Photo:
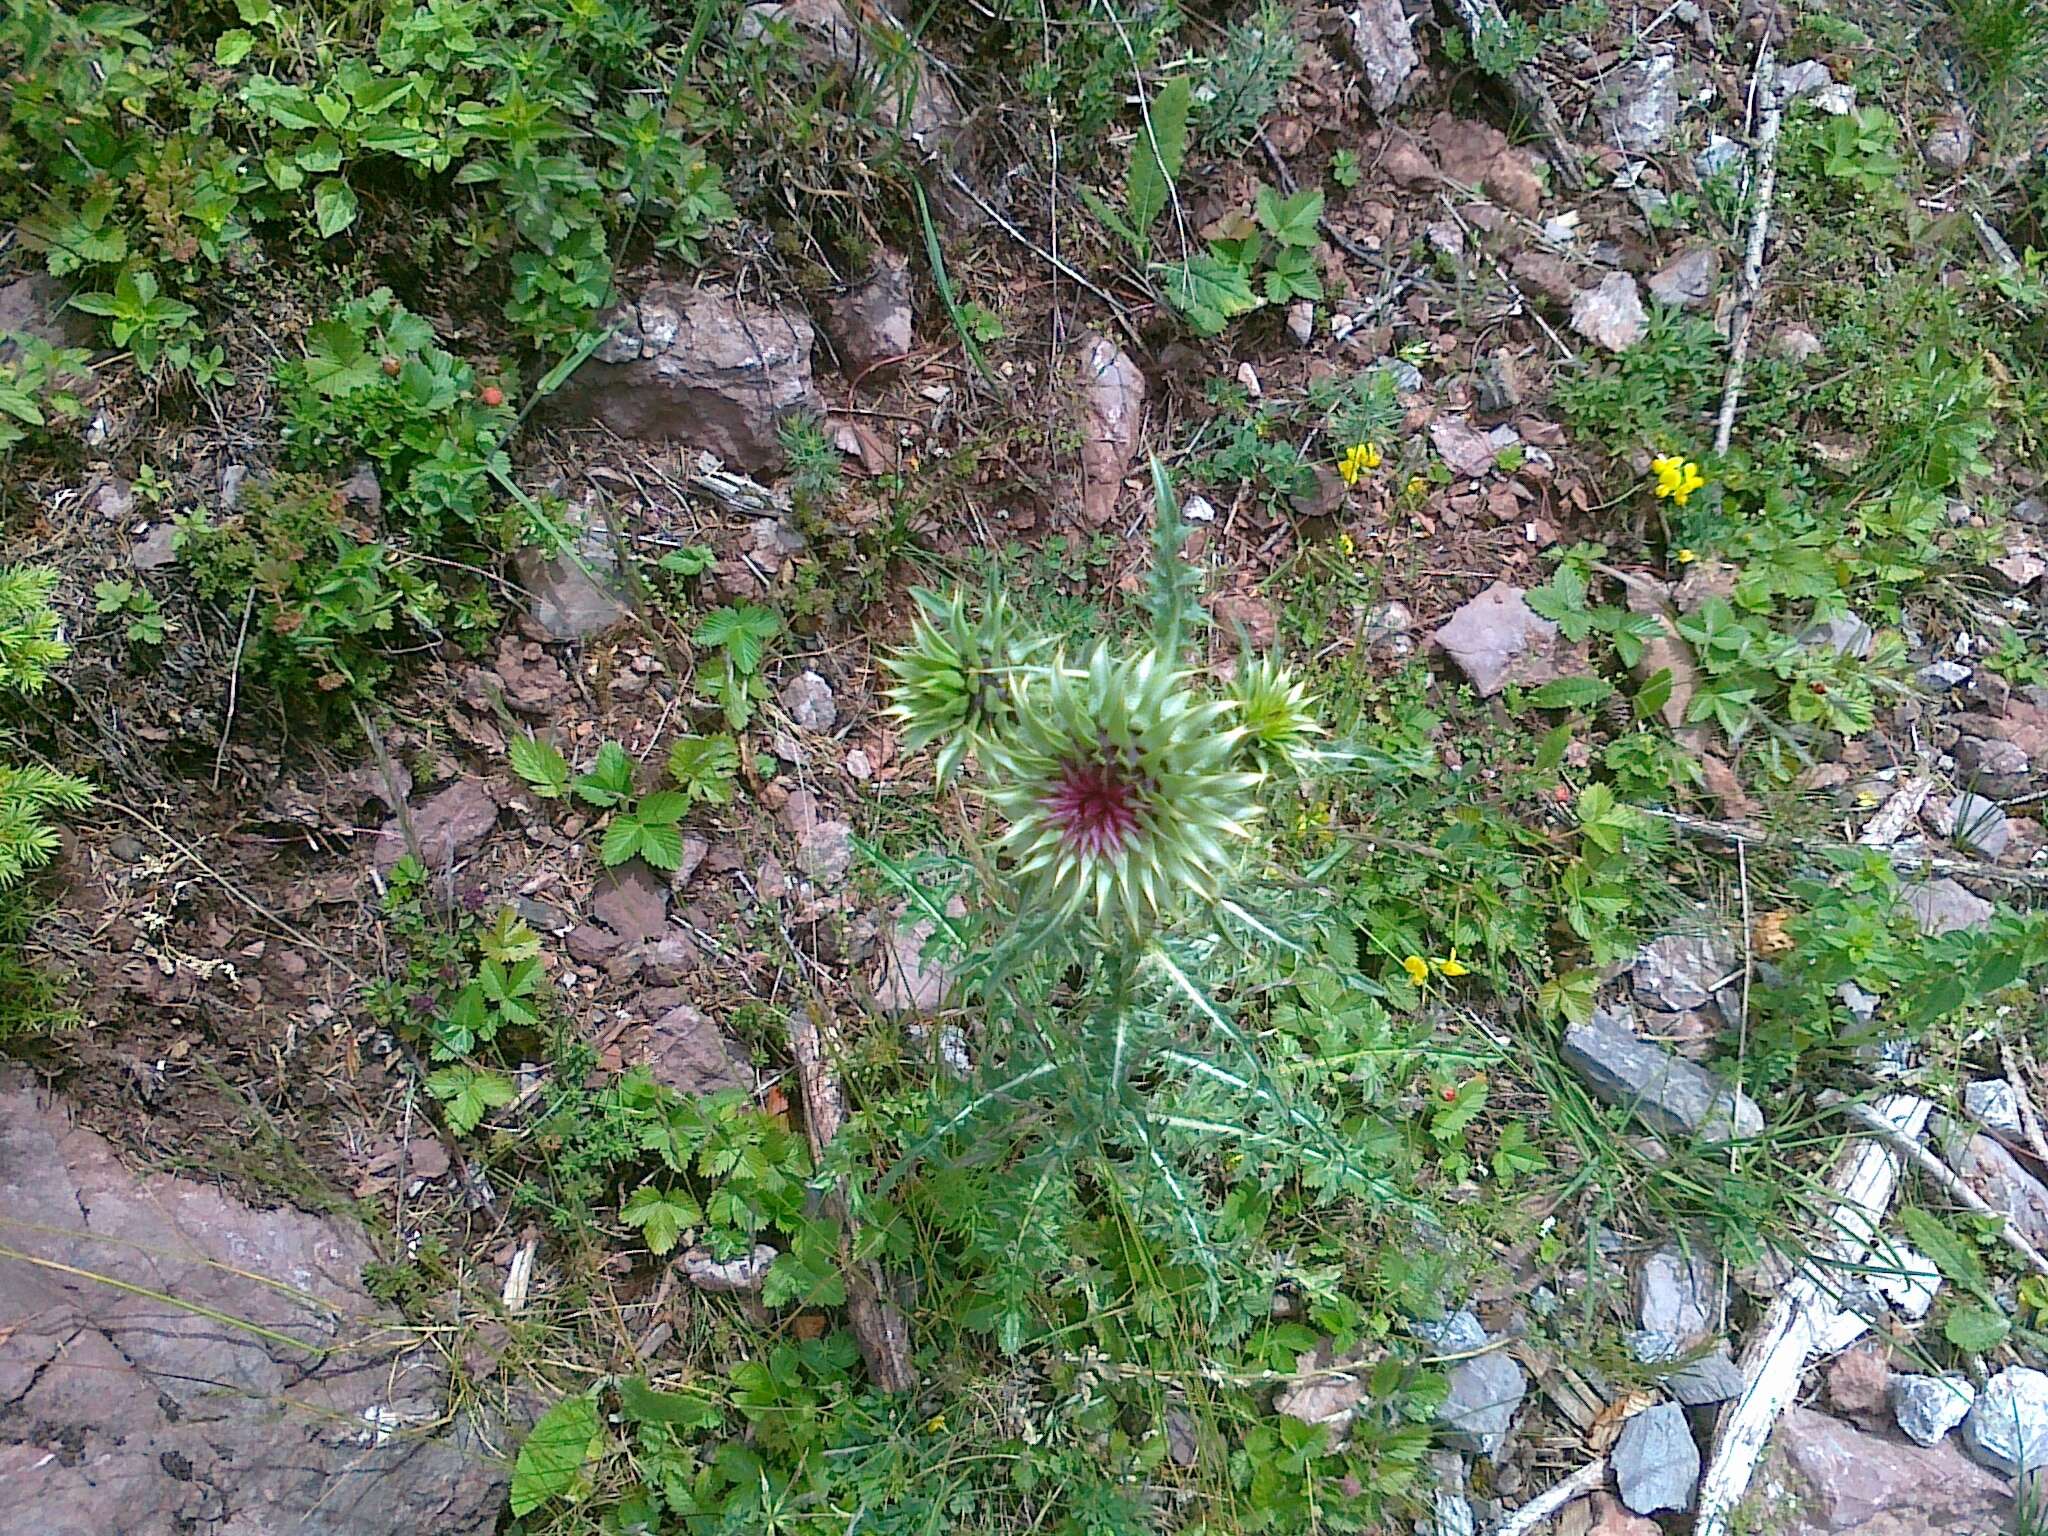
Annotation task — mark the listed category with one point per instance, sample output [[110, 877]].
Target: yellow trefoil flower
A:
[[1687, 556], [1452, 966], [1347, 544], [1677, 478], [1358, 460], [1417, 969]]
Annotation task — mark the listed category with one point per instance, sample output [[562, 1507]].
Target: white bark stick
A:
[[1520, 1521], [1753, 259], [1806, 1313]]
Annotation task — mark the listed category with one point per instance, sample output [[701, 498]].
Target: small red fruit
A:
[[493, 396], [1450, 1094], [391, 366]]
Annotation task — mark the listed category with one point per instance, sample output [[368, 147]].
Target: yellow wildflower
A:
[[1347, 544], [1677, 478], [1359, 459], [1452, 966], [1687, 556], [1417, 969]]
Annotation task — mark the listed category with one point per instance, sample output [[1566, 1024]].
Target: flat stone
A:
[[1677, 1293], [1942, 906], [1927, 1407], [38, 305], [155, 549], [1977, 825], [1983, 1163], [631, 899], [1480, 1408], [685, 1051], [699, 366], [908, 983], [1826, 1478], [871, 324], [807, 698], [1646, 104], [576, 594], [1687, 280], [824, 844], [1467, 450], [1111, 409], [1601, 1514], [131, 1415], [1842, 633], [1802, 79], [1994, 1104], [1710, 1379], [1476, 154], [1905, 1278], [450, 825], [737, 1276], [1382, 42], [1610, 315], [1680, 972], [1497, 639], [1859, 1382], [2006, 1429], [1666, 1092], [1656, 1461]]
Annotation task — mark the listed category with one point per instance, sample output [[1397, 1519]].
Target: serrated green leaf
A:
[[621, 841], [1209, 291], [1952, 1255], [661, 844], [1156, 155], [661, 808], [232, 46], [1570, 692], [610, 779], [1295, 220], [541, 765], [661, 1215], [551, 1460]]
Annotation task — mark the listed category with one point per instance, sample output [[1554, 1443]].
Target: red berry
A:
[[493, 396], [391, 366], [1450, 1095]]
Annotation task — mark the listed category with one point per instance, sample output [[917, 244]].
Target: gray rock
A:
[[871, 324], [1666, 1092], [1721, 154], [1994, 1103], [687, 1052], [1111, 409], [1905, 1278], [155, 549], [1928, 1407], [1495, 637], [1459, 1333], [1301, 325], [38, 305], [1687, 280], [1948, 143], [1656, 1462], [1710, 1379], [1382, 42], [1677, 1293], [1467, 450], [901, 85], [738, 1276], [1830, 1479], [1389, 630], [808, 700], [1940, 676], [130, 1415], [697, 366], [1497, 385], [449, 825], [1977, 825], [1942, 906], [1842, 633], [573, 596], [1679, 972], [1645, 109], [1407, 377], [2006, 1429], [1480, 1407], [824, 845], [909, 983], [1451, 1514], [1802, 79], [1983, 1163], [1797, 343], [1611, 314]]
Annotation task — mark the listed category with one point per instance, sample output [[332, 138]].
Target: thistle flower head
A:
[[950, 678], [1120, 788], [1274, 712]]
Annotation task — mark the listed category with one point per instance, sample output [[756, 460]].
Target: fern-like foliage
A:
[[30, 641]]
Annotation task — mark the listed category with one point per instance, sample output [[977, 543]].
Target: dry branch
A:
[[1744, 313]]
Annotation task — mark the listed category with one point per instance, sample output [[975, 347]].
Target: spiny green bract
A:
[[949, 679], [1122, 788], [1276, 715]]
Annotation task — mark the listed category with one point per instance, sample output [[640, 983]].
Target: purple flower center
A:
[[1095, 806]]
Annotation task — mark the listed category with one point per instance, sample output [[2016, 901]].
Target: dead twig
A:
[[1950, 1181], [879, 1326], [1547, 1503], [1744, 313], [1906, 858], [2022, 1087]]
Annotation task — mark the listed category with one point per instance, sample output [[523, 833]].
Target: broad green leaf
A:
[[1570, 692], [551, 1461], [610, 779], [541, 765], [467, 1094], [662, 808], [621, 841], [644, 1404], [1654, 694], [661, 1215], [1296, 220], [334, 206], [1209, 291], [661, 844], [1952, 1255], [232, 46], [1975, 1327], [1156, 155]]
